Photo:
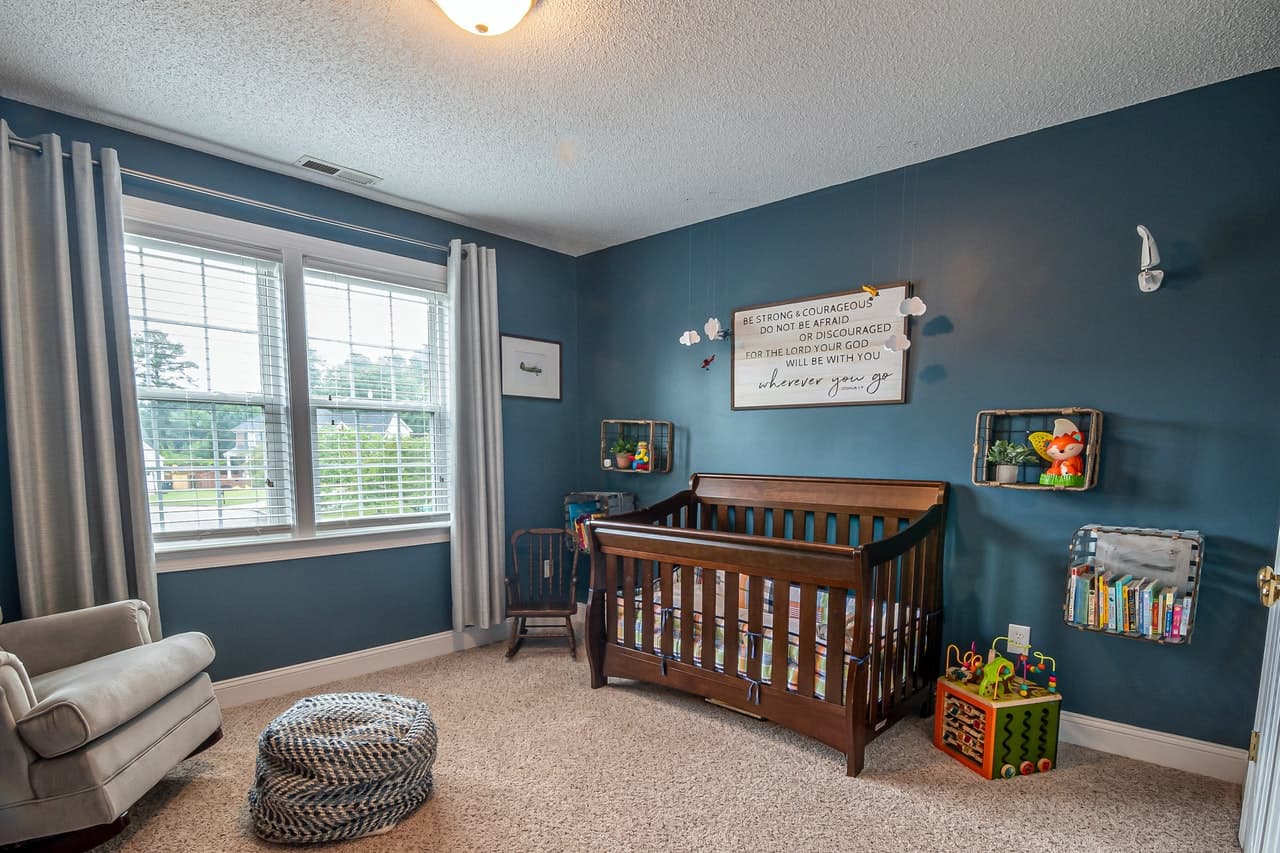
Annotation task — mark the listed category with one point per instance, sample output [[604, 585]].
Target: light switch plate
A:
[[1019, 639]]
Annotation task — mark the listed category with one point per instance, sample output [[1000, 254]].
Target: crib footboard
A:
[[830, 640]]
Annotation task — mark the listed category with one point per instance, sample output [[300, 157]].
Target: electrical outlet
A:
[[1019, 639], [546, 568]]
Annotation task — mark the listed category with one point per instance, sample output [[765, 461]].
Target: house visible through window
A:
[[213, 341]]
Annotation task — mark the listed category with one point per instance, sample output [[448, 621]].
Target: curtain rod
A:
[[238, 199]]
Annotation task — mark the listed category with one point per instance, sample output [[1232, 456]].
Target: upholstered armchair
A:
[[92, 714]]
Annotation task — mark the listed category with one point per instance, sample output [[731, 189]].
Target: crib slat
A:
[[875, 658], [807, 650], [842, 528], [758, 516], [888, 678], [722, 517], [740, 519], [779, 522], [903, 621], [731, 623], [836, 605], [709, 618], [884, 607], [646, 606], [926, 568], [917, 577], [666, 628], [629, 582], [686, 613], [866, 528], [781, 631], [611, 562], [755, 624], [820, 527]]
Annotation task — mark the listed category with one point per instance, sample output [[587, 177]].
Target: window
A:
[[208, 351], [288, 388], [377, 365]]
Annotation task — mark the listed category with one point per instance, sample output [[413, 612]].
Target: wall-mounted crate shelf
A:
[[1134, 582], [579, 506], [657, 434], [1017, 425]]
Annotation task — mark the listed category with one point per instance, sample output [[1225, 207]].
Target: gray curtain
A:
[[82, 528], [477, 556]]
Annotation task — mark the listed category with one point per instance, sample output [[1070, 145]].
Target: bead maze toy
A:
[[993, 721]]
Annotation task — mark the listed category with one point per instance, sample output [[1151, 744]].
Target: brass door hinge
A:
[[1253, 746]]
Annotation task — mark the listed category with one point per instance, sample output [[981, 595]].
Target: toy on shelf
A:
[[1062, 450], [641, 462], [998, 736]]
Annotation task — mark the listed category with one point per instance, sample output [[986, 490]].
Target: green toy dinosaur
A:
[[995, 676]]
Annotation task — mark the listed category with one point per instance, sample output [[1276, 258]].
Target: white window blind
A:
[[378, 364], [209, 359]]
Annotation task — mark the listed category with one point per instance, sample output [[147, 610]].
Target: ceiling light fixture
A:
[[485, 17]]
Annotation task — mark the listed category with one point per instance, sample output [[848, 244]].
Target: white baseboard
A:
[[1182, 753], [304, 676]]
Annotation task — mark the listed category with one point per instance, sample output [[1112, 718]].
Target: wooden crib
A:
[[720, 563]]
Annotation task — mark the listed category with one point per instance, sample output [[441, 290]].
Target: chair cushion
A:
[[82, 702]]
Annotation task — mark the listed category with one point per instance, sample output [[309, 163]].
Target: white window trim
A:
[[163, 221]]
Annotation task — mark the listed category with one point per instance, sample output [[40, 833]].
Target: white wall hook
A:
[[1149, 279]]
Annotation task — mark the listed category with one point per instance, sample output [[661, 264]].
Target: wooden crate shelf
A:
[[658, 434], [1016, 425]]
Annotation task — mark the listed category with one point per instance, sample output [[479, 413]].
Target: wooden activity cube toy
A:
[[1000, 738]]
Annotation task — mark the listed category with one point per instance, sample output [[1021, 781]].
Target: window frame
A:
[[306, 537]]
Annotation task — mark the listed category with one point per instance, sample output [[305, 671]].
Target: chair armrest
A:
[[80, 705], [46, 643], [16, 699]]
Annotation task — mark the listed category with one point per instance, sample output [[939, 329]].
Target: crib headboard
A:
[[824, 494]]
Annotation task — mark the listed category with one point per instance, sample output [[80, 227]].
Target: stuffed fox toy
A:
[[1062, 449], [1065, 449]]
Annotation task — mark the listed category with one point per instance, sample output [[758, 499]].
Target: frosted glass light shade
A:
[[485, 17]]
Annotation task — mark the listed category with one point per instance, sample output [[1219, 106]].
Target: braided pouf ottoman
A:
[[340, 766]]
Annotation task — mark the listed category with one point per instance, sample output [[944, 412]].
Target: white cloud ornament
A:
[[713, 329], [912, 307], [897, 343], [690, 338]]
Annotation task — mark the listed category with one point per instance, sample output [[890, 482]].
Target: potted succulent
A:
[[624, 452], [1007, 456]]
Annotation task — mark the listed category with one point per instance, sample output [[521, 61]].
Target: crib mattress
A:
[[767, 669]]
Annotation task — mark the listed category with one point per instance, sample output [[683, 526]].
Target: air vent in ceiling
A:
[[342, 173]]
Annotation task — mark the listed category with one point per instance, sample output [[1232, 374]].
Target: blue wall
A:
[[1026, 254], [264, 616]]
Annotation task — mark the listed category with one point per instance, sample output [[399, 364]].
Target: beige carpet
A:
[[532, 759]]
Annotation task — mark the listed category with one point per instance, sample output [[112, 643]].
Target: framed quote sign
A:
[[820, 351]]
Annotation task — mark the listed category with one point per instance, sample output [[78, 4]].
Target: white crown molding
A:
[[1228, 763], [533, 237]]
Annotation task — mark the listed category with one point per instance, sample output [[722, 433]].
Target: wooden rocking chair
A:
[[540, 587]]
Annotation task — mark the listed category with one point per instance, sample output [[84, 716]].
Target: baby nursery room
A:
[[575, 425]]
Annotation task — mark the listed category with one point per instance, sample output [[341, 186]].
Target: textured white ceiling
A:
[[600, 121]]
